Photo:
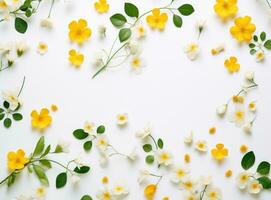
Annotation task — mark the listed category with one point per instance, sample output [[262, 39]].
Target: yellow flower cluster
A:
[[157, 20]]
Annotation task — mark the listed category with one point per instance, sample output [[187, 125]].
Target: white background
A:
[[173, 93]]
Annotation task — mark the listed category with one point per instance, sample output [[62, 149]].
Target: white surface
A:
[[174, 94]]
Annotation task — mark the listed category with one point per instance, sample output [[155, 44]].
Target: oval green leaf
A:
[[248, 160], [267, 44], [82, 169], [131, 10], [160, 143], [147, 148], [39, 147], [265, 182], [20, 25], [2, 116], [186, 9], [177, 20], [80, 134], [61, 180], [7, 122], [118, 20], [124, 34], [100, 129], [86, 197], [149, 159], [264, 168], [263, 36], [88, 145], [41, 175], [17, 116]]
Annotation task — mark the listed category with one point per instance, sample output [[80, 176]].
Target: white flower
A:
[[134, 47], [179, 173], [143, 175], [254, 187], [252, 106], [238, 116], [64, 145], [40, 192], [24, 197], [137, 64], [201, 145], [122, 119], [189, 139], [190, 196], [46, 23], [192, 51], [200, 25], [21, 47], [89, 127], [102, 31], [11, 57], [75, 179], [249, 75], [42, 48], [163, 157], [188, 184], [145, 132], [104, 194], [132, 156], [103, 160], [12, 98], [259, 56], [247, 128], [98, 60], [140, 31], [102, 142], [206, 180], [221, 110], [243, 179], [213, 194], [119, 190]]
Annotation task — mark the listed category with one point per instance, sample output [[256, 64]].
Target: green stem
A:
[[203, 192], [154, 141], [5, 179], [51, 8], [21, 89]]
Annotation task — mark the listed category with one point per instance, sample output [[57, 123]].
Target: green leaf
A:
[[265, 181], [20, 25], [41, 175], [124, 34], [263, 36], [88, 145], [28, 13], [2, 116], [131, 10], [58, 149], [17, 116], [86, 197], [47, 150], [6, 104], [82, 169], [264, 168], [39, 147], [267, 44], [61, 180], [46, 163], [252, 51], [248, 160], [251, 45], [177, 20], [118, 20], [80, 134], [147, 148], [160, 143], [100, 129], [7, 122], [186, 9], [1, 110], [149, 159], [11, 179], [255, 38]]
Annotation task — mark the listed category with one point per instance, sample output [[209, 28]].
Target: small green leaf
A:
[[6, 104], [100, 129], [1, 110], [263, 36], [88, 145], [11, 179], [267, 44], [264, 168], [39, 147], [265, 182], [186, 9], [131, 10], [248, 160], [2, 116], [82, 169], [147, 148], [17, 116], [251, 45], [47, 150], [28, 13], [160, 143], [46, 163], [7, 122], [80, 134], [58, 149], [255, 38], [149, 159], [252, 51], [86, 197], [20, 25], [177, 20], [118, 20], [124, 34], [41, 175], [61, 180]]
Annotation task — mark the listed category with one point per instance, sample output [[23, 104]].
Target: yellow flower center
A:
[[240, 115]]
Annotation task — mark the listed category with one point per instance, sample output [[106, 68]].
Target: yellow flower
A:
[[219, 153], [226, 8], [187, 158], [165, 198], [41, 120], [76, 58], [232, 64], [105, 180], [17, 160], [150, 191], [228, 173], [79, 32], [157, 20], [54, 108], [243, 29], [122, 119], [243, 148], [42, 48], [238, 99], [201, 146], [101, 6], [212, 130], [41, 192]]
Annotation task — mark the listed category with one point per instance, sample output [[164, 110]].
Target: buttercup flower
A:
[[46, 23], [228, 173], [259, 56], [89, 127], [17, 160], [232, 64], [238, 116], [192, 51], [119, 191], [122, 119], [238, 99], [226, 9], [12, 98], [243, 148], [137, 64], [243, 179], [220, 152], [102, 142], [42, 48], [79, 31], [40, 192], [76, 58], [212, 130], [104, 194], [101, 6], [188, 184], [243, 29], [201, 145], [41, 120], [150, 191], [163, 157], [105, 180], [157, 19], [54, 108], [187, 158], [179, 173], [252, 106], [213, 194], [254, 187]]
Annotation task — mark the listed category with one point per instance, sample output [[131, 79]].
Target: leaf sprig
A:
[[260, 43]]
